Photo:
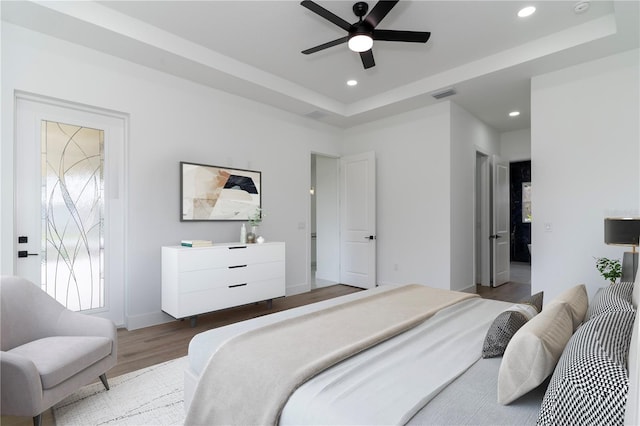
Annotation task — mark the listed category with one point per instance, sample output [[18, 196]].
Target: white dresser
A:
[[196, 280]]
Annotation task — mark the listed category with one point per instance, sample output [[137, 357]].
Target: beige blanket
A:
[[249, 379]]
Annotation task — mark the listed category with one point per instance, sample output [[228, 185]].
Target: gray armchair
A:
[[47, 351]]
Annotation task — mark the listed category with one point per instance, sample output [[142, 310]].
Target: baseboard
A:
[[135, 322], [297, 289], [470, 289]]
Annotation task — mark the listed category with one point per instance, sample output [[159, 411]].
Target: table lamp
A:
[[624, 231]]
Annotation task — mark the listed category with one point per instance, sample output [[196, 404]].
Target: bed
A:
[[430, 372]]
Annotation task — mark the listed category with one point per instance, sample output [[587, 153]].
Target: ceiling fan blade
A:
[[367, 59], [326, 45], [379, 11], [329, 16], [408, 36]]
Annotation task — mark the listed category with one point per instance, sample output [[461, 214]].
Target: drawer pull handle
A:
[[237, 266], [237, 285], [237, 247]]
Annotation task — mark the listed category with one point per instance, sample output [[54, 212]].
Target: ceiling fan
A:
[[362, 33]]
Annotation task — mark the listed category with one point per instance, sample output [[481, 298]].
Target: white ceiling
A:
[[252, 48]]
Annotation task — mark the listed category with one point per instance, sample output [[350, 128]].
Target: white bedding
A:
[[391, 382], [203, 345], [386, 384], [250, 378]]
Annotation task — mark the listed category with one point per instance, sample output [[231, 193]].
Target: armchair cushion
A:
[[58, 358]]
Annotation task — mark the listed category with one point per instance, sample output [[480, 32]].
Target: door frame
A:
[[116, 197], [327, 214]]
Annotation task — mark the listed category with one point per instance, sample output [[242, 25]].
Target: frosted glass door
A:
[[70, 204], [73, 215]]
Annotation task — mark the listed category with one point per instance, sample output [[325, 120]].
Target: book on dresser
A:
[[197, 280], [196, 243]]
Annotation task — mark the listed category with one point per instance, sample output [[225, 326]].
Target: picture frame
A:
[[210, 192]]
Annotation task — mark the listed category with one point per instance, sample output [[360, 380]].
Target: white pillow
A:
[[578, 300], [534, 351]]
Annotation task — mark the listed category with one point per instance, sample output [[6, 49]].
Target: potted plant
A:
[[255, 220], [610, 269]]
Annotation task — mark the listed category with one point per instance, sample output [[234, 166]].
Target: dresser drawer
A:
[[205, 279], [193, 259], [223, 297]]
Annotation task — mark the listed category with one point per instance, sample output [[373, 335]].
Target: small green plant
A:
[[610, 269], [256, 218]]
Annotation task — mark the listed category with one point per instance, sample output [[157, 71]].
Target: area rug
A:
[[150, 396]]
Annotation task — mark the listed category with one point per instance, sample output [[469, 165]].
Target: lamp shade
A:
[[622, 231]]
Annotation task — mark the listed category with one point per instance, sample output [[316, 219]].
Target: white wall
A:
[[585, 146], [413, 193], [515, 145], [425, 191], [170, 120]]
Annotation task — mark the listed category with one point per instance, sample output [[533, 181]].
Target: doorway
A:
[[492, 221], [520, 202], [520, 182], [70, 203], [325, 236], [519, 214]]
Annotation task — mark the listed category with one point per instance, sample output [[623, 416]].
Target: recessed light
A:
[[526, 11], [514, 113], [352, 82], [581, 7]]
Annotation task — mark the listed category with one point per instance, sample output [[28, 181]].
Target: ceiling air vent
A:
[[449, 91], [316, 114]]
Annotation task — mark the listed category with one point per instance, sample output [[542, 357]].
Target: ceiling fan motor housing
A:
[[360, 9]]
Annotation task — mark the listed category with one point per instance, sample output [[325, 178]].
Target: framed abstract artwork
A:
[[218, 193]]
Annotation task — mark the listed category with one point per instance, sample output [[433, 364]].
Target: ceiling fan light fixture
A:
[[360, 43]]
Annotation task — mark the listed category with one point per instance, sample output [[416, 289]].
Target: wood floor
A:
[[152, 345]]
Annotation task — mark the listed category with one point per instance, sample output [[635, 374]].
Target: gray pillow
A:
[[591, 382], [614, 298], [506, 324]]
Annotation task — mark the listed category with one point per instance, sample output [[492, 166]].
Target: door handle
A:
[[370, 237], [494, 237], [24, 253]]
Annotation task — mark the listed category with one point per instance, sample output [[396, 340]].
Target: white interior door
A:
[[70, 204], [358, 220], [501, 222]]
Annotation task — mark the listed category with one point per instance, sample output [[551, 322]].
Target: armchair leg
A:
[[37, 420], [103, 379]]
